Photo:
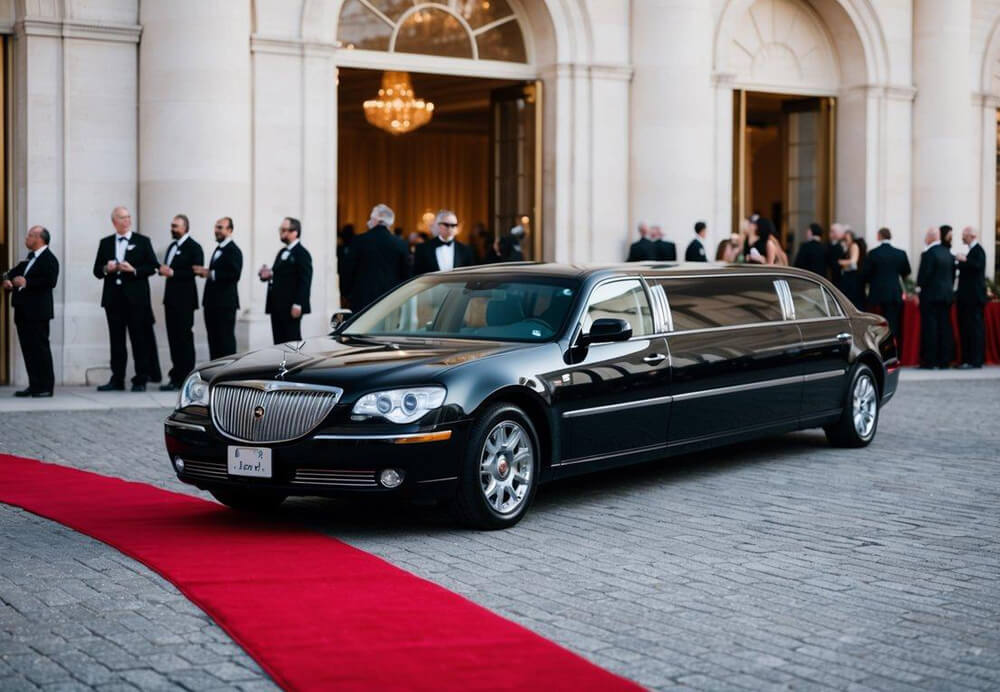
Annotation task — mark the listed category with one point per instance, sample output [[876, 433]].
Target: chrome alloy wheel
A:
[[865, 406], [505, 467]]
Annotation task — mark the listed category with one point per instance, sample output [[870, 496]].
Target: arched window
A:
[[474, 29]]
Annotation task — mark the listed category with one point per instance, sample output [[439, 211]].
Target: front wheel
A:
[[501, 469], [857, 425], [248, 499]]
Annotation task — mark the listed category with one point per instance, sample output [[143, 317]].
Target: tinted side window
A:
[[834, 306], [809, 299], [725, 301], [624, 300]]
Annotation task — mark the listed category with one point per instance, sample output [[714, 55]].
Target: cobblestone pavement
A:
[[781, 563]]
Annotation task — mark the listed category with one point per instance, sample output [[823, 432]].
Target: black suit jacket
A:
[[641, 250], [695, 251], [665, 251], [33, 302], [883, 268], [291, 282], [425, 256], [936, 275], [835, 253], [221, 291], [972, 277], [180, 290], [812, 257], [139, 253], [377, 262]]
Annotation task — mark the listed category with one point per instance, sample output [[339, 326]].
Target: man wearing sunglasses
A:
[[443, 253], [180, 299]]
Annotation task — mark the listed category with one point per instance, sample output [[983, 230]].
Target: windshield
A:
[[471, 308]]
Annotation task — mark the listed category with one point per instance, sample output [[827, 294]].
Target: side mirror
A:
[[607, 329], [338, 318]]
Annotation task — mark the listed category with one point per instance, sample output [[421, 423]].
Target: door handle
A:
[[654, 358], [843, 337]]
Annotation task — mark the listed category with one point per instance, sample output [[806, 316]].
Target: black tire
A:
[[473, 505], [248, 499], [859, 421]]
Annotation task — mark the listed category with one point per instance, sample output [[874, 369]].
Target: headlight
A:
[[194, 392], [400, 405]]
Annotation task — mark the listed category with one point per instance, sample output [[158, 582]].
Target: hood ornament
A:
[[282, 370]]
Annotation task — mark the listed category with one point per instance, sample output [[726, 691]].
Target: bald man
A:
[[31, 283], [125, 261]]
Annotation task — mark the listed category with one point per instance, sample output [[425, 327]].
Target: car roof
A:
[[597, 271]]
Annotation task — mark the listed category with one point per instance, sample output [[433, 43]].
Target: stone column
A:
[[942, 169], [673, 105], [195, 131]]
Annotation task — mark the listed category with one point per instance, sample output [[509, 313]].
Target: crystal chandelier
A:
[[396, 110]]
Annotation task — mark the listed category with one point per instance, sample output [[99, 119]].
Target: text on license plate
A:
[[250, 461]]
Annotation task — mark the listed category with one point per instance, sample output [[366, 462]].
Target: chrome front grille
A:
[[269, 411], [330, 477], [210, 470]]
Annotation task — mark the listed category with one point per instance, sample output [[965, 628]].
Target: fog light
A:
[[390, 478], [179, 464]]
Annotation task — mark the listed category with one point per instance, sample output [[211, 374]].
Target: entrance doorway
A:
[[479, 155], [783, 161]]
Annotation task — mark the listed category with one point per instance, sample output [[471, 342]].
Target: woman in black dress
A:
[[851, 282]]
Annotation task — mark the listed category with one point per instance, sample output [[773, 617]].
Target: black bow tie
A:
[[121, 238], [446, 243], [31, 255]]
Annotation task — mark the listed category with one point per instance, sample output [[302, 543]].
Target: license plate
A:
[[250, 461]]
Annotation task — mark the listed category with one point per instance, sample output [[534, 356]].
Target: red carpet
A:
[[314, 612]]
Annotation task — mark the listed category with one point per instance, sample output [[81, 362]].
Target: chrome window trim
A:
[[617, 407], [821, 319], [771, 323], [438, 480], [784, 298], [761, 384], [184, 426]]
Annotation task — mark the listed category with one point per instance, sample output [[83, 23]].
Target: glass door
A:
[[516, 171], [808, 155]]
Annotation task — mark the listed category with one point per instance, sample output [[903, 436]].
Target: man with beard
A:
[[180, 299], [443, 253], [289, 281], [221, 299], [125, 261]]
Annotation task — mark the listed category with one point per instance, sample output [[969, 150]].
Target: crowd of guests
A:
[[870, 279]]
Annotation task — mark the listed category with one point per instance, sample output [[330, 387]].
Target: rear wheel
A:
[[501, 468], [248, 499], [857, 425]]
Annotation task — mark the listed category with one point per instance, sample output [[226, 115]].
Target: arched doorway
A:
[[805, 125], [472, 144]]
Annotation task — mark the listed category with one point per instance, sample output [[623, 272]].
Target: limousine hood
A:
[[353, 364]]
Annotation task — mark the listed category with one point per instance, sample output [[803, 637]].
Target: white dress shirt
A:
[[286, 251], [215, 255], [445, 256], [175, 248], [120, 247], [32, 261]]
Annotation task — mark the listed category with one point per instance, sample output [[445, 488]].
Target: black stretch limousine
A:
[[476, 385]]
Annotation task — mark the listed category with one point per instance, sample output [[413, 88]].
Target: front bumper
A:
[[328, 462]]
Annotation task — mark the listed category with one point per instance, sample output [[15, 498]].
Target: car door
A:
[[733, 358], [612, 397], [826, 347]]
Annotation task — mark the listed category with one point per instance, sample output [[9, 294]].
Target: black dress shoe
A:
[[111, 387], [23, 393], [138, 387], [41, 395], [169, 387]]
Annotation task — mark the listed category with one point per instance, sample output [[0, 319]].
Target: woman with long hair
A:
[[851, 282], [765, 248]]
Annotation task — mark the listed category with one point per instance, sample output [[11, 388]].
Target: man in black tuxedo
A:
[[935, 278], [835, 252], [443, 253], [289, 281], [31, 283], [221, 298], [180, 299], [812, 255], [378, 261], [883, 269], [665, 250], [971, 299], [125, 261], [696, 248], [643, 249]]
